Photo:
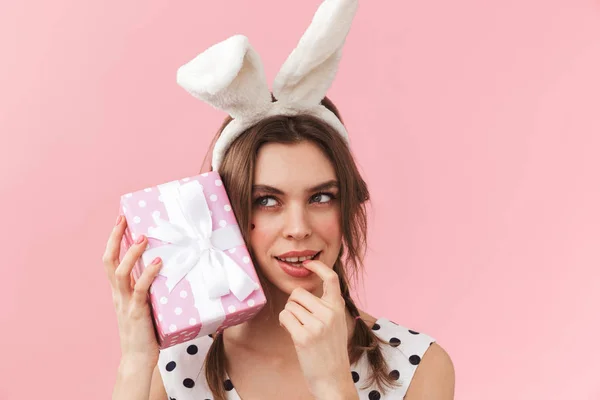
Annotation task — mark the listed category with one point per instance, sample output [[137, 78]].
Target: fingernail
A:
[[140, 239], [157, 260], [119, 219]]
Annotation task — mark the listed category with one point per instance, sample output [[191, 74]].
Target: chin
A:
[[286, 287]]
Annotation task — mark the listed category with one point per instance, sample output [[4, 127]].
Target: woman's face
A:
[[295, 214]]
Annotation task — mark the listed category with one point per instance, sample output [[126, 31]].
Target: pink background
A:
[[485, 231]]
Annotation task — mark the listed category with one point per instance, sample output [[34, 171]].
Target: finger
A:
[[304, 316], [291, 324], [123, 271], [110, 259], [331, 281], [308, 300], [141, 287]]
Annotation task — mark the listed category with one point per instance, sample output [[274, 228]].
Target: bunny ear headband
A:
[[229, 76]]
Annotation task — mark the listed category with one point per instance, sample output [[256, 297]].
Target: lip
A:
[[303, 253], [296, 272]]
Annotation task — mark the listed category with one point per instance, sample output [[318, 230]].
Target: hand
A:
[[136, 330], [320, 335]]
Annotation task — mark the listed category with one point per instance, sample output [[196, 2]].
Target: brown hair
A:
[[237, 174]]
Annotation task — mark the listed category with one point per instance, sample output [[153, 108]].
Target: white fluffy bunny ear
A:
[[230, 76], [310, 69]]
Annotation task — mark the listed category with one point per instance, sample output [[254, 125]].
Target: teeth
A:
[[296, 259]]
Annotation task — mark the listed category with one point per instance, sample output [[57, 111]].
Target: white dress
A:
[[181, 365]]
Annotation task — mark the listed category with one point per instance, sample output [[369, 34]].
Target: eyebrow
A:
[[321, 186]]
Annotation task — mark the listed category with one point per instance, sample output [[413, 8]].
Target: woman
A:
[[300, 203]]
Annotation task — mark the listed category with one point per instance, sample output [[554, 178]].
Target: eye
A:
[[323, 197], [266, 201]]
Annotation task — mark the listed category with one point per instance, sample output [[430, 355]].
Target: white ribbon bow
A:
[[194, 250]]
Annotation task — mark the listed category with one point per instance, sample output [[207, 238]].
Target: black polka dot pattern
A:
[[413, 332], [374, 395], [355, 376], [171, 366], [414, 360], [192, 349], [228, 385], [376, 327], [395, 374], [189, 383], [395, 342]]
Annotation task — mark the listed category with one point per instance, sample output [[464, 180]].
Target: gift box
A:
[[208, 281]]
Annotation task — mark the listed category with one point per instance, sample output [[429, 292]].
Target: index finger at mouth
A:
[[331, 281]]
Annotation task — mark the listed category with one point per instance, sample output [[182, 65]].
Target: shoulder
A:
[[416, 360], [434, 379]]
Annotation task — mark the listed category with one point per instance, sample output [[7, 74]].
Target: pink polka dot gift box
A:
[[208, 281]]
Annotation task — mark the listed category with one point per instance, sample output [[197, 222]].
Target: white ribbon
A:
[[193, 250]]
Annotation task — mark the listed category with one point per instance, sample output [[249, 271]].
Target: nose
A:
[[297, 223]]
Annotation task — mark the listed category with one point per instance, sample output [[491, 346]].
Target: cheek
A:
[[328, 227], [262, 234]]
